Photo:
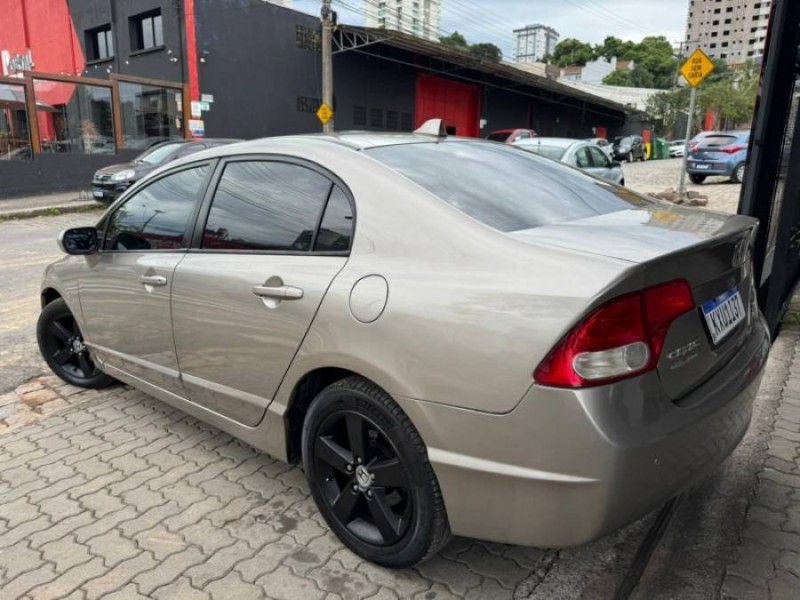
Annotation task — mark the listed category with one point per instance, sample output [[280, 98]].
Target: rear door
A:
[[270, 239], [601, 165]]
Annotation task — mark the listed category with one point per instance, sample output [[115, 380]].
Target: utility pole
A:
[[689, 129], [327, 62]]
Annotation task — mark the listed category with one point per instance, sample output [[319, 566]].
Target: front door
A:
[[125, 288], [276, 235]]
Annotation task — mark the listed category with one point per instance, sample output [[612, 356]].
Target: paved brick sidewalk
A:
[[120, 496], [767, 565]]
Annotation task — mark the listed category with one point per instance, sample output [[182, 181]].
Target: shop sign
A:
[[16, 63], [197, 127], [207, 98], [197, 109]]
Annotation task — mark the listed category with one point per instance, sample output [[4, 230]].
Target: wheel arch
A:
[[48, 295], [303, 393]]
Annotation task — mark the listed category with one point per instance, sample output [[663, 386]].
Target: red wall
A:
[[45, 27], [457, 103]]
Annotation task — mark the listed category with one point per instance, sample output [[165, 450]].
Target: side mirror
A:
[[615, 163], [78, 240]]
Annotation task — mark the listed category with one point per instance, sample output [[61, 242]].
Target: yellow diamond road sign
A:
[[697, 68], [324, 113]]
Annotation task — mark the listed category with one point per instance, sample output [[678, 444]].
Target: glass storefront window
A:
[[75, 118], [150, 115], [14, 134]]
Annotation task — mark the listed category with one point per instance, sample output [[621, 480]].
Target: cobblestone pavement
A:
[[658, 175], [767, 564], [120, 496]]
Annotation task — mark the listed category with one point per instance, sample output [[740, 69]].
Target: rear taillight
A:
[[731, 149], [620, 339]]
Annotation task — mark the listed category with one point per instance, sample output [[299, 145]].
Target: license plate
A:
[[701, 166], [723, 314], [97, 194]]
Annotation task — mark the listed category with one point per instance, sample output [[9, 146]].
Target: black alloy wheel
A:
[[369, 474], [61, 345]]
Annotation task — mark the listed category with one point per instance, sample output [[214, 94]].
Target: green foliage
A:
[[615, 47], [572, 52], [486, 52], [638, 77], [729, 93], [455, 40]]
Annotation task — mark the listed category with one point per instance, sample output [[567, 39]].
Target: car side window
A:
[[583, 158], [599, 157], [156, 217], [522, 135], [336, 228], [263, 205]]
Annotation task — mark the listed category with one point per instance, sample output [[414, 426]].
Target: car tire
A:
[[698, 179], [738, 173], [386, 505], [61, 345]]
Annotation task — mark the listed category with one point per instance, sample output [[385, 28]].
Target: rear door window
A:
[[583, 158], [504, 187], [266, 205], [599, 158]]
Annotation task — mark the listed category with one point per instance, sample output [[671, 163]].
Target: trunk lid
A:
[[662, 243]]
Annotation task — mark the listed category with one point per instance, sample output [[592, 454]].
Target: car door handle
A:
[[152, 280], [281, 292]]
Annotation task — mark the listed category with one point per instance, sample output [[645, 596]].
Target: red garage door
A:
[[457, 103]]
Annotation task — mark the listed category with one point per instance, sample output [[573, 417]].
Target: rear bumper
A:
[[566, 467], [695, 167]]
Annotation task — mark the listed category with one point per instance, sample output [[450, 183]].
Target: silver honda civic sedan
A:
[[452, 336]]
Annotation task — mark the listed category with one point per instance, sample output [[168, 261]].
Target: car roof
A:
[[551, 141]]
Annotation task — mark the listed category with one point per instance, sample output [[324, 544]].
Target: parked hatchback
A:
[[722, 154], [453, 336], [577, 153], [629, 148], [109, 182]]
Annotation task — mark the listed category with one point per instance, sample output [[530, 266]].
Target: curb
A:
[[50, 211]]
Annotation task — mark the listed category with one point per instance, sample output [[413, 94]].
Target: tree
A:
[[571, 52], [622, 78], [613, 47], [666, 107], [455, 40], [486, 51], [654, 54]]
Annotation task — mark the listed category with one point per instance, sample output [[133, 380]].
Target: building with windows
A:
[[731, 30], [88, 83], [417, 17], [533, 42]]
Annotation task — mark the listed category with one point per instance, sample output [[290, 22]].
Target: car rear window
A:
[[498, 136], [719, 140], [503, 186]]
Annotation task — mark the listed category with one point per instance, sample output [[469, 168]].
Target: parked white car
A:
[[676, 148]]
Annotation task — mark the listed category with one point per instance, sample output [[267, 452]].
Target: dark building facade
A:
[[253, 69]]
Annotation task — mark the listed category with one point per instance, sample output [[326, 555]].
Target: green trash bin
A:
[[661, 148]]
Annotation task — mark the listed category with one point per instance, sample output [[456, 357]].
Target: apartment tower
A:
[[731, 30]]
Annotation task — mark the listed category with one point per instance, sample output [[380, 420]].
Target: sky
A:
[[588, 20]]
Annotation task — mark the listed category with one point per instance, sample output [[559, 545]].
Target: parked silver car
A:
[[452, 335], [577, 153]]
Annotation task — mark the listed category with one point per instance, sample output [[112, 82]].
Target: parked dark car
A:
[[722, 154], [629, 148], [109, 182], [509, 136]]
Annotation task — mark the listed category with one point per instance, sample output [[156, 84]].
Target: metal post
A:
[[327, 60], [689, 124]]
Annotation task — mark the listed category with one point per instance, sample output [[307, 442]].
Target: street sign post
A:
[[324, 113], [694, 71]]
